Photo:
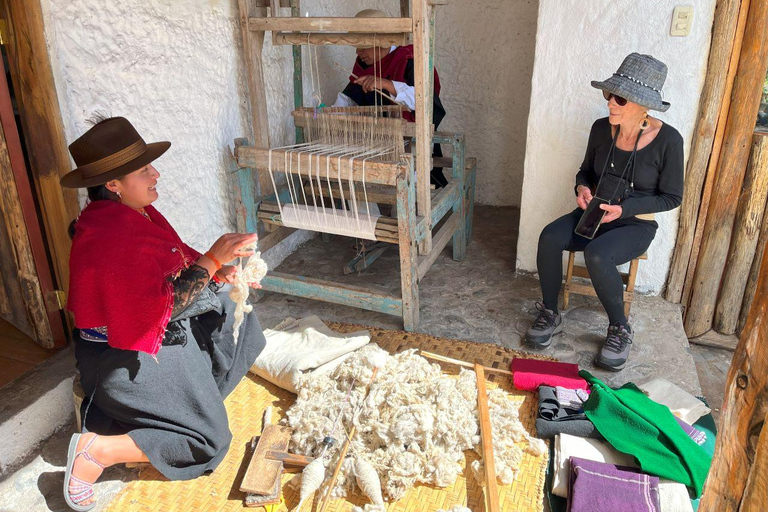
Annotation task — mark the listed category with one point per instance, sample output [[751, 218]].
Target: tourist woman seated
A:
[[154, 339], [633, 168]]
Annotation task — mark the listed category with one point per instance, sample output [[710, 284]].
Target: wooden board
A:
[[262, 473], [370, 172], [372, 25], [349, 39]]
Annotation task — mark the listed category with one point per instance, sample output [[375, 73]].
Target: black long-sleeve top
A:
[[659, 171]]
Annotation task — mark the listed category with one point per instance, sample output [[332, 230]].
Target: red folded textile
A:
[[529, 374], [120, 265]]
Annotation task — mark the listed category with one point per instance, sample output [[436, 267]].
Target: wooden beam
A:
[[714, 157], [738, 476], [343, 39], [754, 272], [381, 173], [423, 53], [328, 291], [727, 33], [253, 43], [444, 201], [746, 231], [491, 490], [747, 90], [409, 269], [442, 238], [370, 25], [43, 128], [716, 340]]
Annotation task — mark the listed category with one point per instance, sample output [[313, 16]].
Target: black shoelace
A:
[[545, 318], [618, 339]]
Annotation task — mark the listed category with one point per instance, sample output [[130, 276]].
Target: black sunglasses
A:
[[619, 100]]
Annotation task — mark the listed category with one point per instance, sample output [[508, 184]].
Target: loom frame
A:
[[418, 213]]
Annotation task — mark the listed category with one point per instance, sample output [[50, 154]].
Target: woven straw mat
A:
[[220, 491]]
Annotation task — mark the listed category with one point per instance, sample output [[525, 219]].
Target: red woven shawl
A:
[[120, 267]]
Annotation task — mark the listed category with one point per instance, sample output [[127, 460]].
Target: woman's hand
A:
[[612, 212], [227, 273], [584, 196], [369, 83], [230, 246]]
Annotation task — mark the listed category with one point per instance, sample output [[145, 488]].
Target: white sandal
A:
[[82, 490]]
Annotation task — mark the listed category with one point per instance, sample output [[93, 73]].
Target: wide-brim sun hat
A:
[[109, 150], [639, 79]]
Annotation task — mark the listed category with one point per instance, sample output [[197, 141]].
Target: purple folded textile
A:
[[599, 487], [571, 399], [697, 435]]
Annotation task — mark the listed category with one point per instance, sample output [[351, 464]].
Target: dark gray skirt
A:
[[173, 407]]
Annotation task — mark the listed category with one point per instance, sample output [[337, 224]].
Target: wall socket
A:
[[682, 19]]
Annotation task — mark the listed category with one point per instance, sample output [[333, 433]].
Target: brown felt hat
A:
[[109, 150]]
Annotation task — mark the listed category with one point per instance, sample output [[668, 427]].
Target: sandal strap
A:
[[79, 492], [87, 456]]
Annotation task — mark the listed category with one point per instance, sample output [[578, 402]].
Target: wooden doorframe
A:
[[43, 129], [40, 297]]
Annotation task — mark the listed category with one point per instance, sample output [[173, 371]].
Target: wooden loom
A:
[[405, 183]]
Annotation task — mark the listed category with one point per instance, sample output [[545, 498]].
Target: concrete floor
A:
[[482, 299], [479, 299]]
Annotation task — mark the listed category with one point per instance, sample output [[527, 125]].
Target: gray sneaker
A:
[[615, 351], [547, 324]]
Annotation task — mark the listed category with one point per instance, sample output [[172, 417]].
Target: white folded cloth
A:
[[682, 404], [296, 347], [567, 446], [673, 497]]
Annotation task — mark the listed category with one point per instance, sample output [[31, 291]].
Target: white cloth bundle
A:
[[682, 404], [673, 497], [295, 347], [567, 446]]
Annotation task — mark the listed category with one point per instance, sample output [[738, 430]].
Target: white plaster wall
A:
[[581, 41], [174, 68]]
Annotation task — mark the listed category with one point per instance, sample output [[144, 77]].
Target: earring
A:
[[645, 123], [119, 196]]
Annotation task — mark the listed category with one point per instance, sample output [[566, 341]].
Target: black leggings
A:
[[616, 243]]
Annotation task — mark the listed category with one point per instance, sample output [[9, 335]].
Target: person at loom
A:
[[389, 70], [633, 168], [154, 339]]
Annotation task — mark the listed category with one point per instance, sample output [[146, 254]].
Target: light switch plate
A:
[[682, 19]]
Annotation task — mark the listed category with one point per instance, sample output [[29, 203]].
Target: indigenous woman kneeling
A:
[[633, 168], [154, 336]]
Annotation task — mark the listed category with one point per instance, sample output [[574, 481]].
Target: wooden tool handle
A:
[[342, 454], [459, 362], [291, 459], [491, 489]]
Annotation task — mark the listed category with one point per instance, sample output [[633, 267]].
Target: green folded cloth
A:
[[634, 424]]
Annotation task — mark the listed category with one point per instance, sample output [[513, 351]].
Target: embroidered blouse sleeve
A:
[[188, 286]]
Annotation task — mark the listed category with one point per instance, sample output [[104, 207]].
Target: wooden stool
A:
[[587, 289]]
